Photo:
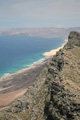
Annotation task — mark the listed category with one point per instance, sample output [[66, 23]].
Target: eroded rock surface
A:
[[55, 95]]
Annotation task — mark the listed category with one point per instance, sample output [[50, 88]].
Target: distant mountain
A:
[[40, 32], [56, 93]]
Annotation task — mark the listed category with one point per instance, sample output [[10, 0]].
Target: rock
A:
[[55, 94]]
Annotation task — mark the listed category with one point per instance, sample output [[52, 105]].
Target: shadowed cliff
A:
[[55, 95]]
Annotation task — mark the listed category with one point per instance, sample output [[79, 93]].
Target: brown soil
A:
[[15, 85]]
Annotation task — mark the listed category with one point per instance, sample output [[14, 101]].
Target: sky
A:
[[39, 13]]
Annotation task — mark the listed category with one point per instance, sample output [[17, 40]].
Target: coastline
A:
[[11, 84], [53, 52], [5, 77], [47, 56]]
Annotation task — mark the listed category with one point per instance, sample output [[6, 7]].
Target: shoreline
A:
[[53, 52], [11, 84], [24, 69], [47, 55]]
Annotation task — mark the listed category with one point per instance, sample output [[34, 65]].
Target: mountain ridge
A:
[[55, 95]]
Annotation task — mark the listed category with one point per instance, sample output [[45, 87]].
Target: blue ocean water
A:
[[18, 52]]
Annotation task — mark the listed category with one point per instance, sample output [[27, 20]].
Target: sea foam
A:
[[6, 74], [36, 62]]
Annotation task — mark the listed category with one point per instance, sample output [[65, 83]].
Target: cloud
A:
[[59, 26]]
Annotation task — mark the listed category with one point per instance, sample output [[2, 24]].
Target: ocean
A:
[[19, 52]]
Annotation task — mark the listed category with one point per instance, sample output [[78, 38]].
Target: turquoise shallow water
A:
[[18, 52]]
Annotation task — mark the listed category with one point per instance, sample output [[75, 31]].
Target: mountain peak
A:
[[55, 95], [74, 38]]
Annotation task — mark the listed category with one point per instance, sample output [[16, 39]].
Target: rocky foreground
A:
[[14, 85], [55, 95]]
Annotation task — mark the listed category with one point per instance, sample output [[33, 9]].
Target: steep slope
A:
[[56, 93]]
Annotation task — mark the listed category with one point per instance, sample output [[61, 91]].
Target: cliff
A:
[[55, 95]]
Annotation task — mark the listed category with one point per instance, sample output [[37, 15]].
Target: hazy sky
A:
[[39, 13]]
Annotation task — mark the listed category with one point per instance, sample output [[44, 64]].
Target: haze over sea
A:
[[18, 52]]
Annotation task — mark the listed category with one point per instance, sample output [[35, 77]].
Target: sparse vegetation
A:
[[56, 93]]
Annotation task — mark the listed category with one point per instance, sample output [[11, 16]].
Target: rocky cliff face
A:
[[56, 93]]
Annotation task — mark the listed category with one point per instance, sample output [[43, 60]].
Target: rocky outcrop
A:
[[56, 93], [73, 39], [64, 103]]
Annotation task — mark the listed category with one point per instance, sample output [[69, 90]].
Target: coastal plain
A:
[[55, 94], [14, 85]]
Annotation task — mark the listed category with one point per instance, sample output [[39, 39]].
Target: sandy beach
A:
[[53, 52], [14, 85]]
